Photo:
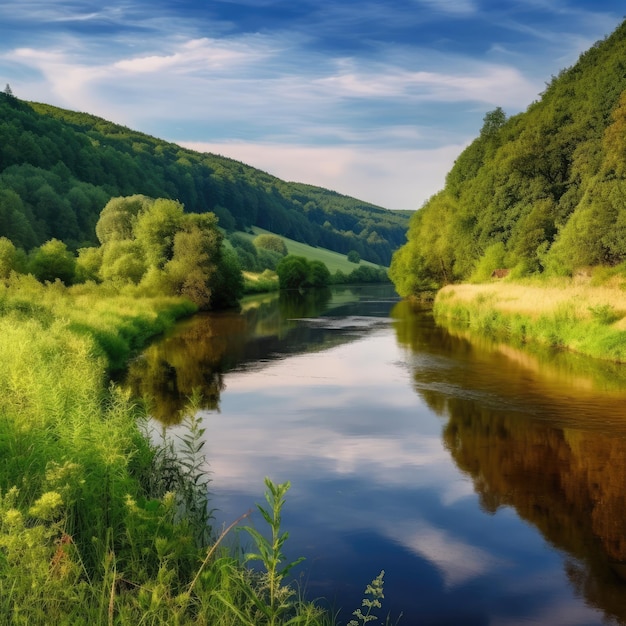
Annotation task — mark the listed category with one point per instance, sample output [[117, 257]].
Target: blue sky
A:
[[372, 98]]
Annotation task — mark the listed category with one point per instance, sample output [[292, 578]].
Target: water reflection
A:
[[489, 484], [530, 439], [197, 353]]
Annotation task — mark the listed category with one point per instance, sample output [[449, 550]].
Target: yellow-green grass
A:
[[333, 260], [263, 282], [566, 313], [92, 530]]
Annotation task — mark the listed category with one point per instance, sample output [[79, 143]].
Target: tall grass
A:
[[99, 524], [571, 314]]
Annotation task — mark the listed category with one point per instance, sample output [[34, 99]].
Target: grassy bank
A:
[[97, 524], [573, 314]]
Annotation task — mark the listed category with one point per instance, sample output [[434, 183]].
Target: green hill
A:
[[541, 192], [58, 168], [334, 261]]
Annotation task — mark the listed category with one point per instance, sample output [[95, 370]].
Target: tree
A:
[[156, 228], [123, 260], [227, 282], [354, 257], [492, 122], [88, 264], [8, 257], [274, 243], [293, 272], [195, 256], [318, 275], [117, 219], [52, 260]]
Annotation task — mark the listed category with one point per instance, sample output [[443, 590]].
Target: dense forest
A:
[[543, 191], [59, 168]]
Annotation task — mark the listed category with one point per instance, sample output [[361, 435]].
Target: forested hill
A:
[[59, 168], [543, 191]]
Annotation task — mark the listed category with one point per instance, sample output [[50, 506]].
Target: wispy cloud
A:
[[392, 178], [458, 562], [408, 79], [454, 7], [198, 54]]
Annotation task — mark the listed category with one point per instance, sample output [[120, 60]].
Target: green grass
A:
[[333, 260], [98, 525], [572, 315]]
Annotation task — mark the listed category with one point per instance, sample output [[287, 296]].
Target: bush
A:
[[274, 243], [293, 272], [354, 257]]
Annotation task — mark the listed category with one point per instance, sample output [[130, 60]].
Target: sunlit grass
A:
[[575, 314], [333, 260], [97, 524]]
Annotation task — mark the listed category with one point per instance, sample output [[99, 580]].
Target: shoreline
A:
[[572, 314]]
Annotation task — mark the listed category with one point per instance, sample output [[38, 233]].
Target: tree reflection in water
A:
[[542, 433]]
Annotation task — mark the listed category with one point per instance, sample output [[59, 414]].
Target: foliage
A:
[[296, 272], [542, 191], [52, 261], [272, 600], [375, 591], [293, 272], [354, 257], [97, 524], [58, 168], [156, 245], [274, 243]]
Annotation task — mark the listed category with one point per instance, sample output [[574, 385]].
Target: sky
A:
[[371, 98]]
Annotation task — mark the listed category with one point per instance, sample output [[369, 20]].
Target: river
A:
[[488, 483]]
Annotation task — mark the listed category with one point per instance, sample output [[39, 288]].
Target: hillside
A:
[[58, 169], [332, 260], [541, 192]]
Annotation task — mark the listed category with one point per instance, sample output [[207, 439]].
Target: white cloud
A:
[[492, 84], [205, 53], [455, 7], [457, 562], [392, 178]]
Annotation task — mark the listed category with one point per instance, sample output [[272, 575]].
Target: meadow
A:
[[585, 314], [334, 261]]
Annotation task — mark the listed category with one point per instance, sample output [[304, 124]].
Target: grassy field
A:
[[333, 260], [574, 314]]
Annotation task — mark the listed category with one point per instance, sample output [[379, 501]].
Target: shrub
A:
[[274, 243]]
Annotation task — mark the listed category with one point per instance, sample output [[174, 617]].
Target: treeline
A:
[[59, 168], [150, 245], [541, 192]]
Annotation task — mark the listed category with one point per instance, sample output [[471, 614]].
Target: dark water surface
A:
[[488, 483]]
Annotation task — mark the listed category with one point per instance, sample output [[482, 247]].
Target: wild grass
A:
[[100, 524], [265, 282], [575, 314]]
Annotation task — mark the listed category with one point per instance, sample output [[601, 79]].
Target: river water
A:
[[488, 483]]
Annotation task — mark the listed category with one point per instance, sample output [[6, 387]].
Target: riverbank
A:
[[98, 525], [573, 314]]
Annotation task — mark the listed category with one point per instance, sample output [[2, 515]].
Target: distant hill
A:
[[541, 192], [332, 260], [58, 168]]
